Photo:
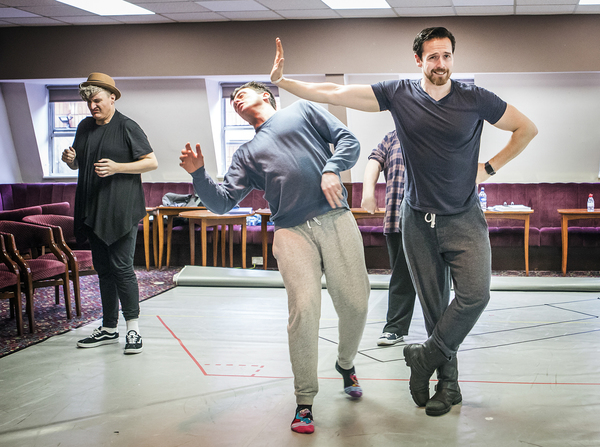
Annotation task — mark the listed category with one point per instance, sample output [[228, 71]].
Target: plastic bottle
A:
[[483, 199], [590, 203]]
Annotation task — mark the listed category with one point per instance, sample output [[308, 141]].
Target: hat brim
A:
[[110, 88]]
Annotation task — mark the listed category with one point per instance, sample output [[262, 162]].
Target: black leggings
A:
[[114, 264]]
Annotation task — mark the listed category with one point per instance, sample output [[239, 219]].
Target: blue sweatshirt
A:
[[286, 159]]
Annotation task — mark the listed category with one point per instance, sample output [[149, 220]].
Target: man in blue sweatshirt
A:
[[290, 159]]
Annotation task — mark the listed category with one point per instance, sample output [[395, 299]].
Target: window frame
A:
[[62, 94]]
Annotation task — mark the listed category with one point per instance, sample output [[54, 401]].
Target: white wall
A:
[[173, 111], [564, 107], [9, 167]]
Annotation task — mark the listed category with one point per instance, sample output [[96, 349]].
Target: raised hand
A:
[[277, 71], [191, 161]]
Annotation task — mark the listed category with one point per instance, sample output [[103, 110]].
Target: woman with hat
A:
[[111, 152]]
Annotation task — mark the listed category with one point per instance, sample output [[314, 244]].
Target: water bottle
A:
[[483, 199], [590, 204]]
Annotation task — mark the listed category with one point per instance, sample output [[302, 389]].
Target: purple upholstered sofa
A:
[[544, 198]]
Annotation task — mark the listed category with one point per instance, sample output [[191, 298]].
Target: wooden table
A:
[[565, 216], [207, 219], [265, 214], [159, 213], [361, 213], [515, 215]]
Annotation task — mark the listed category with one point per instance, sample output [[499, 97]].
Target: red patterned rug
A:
[[51, 318]]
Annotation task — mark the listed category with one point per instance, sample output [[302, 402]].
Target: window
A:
[[67, 109], [235, 131]]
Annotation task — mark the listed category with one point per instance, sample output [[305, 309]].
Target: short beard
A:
[[437, 80]]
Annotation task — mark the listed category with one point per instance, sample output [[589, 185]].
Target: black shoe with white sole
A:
[[99, 337], [133, 344]]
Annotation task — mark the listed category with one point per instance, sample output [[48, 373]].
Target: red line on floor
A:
[[361, 378], [182, 345]]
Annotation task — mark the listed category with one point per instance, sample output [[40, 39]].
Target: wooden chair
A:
[[80, 261], [24, 239], [10, 285]]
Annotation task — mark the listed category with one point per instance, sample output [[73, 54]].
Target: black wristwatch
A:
[[489, 169]]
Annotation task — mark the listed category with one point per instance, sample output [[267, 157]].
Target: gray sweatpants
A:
[[329, 244], [443, 248]]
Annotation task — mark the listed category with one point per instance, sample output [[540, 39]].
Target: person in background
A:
[[387, 157], [444, 232], [315, 233], [111, 152]]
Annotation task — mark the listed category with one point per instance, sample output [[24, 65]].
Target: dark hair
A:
[[257, 87], [437, 32]]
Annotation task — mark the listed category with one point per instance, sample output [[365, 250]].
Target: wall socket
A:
[[257, 260]]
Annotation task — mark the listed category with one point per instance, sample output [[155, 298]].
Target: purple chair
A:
[[10, 285], [18, 214], [26, 240], [80, 261]]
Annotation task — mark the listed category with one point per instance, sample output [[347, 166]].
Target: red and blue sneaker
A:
[[303, 422]]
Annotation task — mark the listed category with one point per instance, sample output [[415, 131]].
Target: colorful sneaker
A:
[[303, 422], [98, 338], [351, 386], [389, 339], [133, 343]]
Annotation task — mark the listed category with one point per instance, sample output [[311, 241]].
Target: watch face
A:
[[489, 169]]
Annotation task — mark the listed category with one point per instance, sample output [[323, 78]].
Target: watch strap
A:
[[489, 169]]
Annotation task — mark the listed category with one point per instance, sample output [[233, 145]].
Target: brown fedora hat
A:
[[102, 80]]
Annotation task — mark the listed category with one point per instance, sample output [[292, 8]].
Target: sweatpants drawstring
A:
[[431, 219], [315, 219]]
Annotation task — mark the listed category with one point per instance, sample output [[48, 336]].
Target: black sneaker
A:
[[98, 338], [133, 343], [389, 339]]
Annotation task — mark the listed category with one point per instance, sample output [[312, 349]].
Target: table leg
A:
[[215, 243], [564, 232], [192, 231], [203, 226], [155, 241], [146, 225], [161, 237], [223, 242], [244, 244], [264, 238], [169, 238], [230, 231], [527, 246]]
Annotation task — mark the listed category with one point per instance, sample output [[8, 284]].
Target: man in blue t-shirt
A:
[[290, 159], [439, 123]]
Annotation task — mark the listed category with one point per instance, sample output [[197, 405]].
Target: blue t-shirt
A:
[[440, 141], [286, 158]]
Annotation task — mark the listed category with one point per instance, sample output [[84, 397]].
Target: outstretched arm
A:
[[359, 97], [523, 131]]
